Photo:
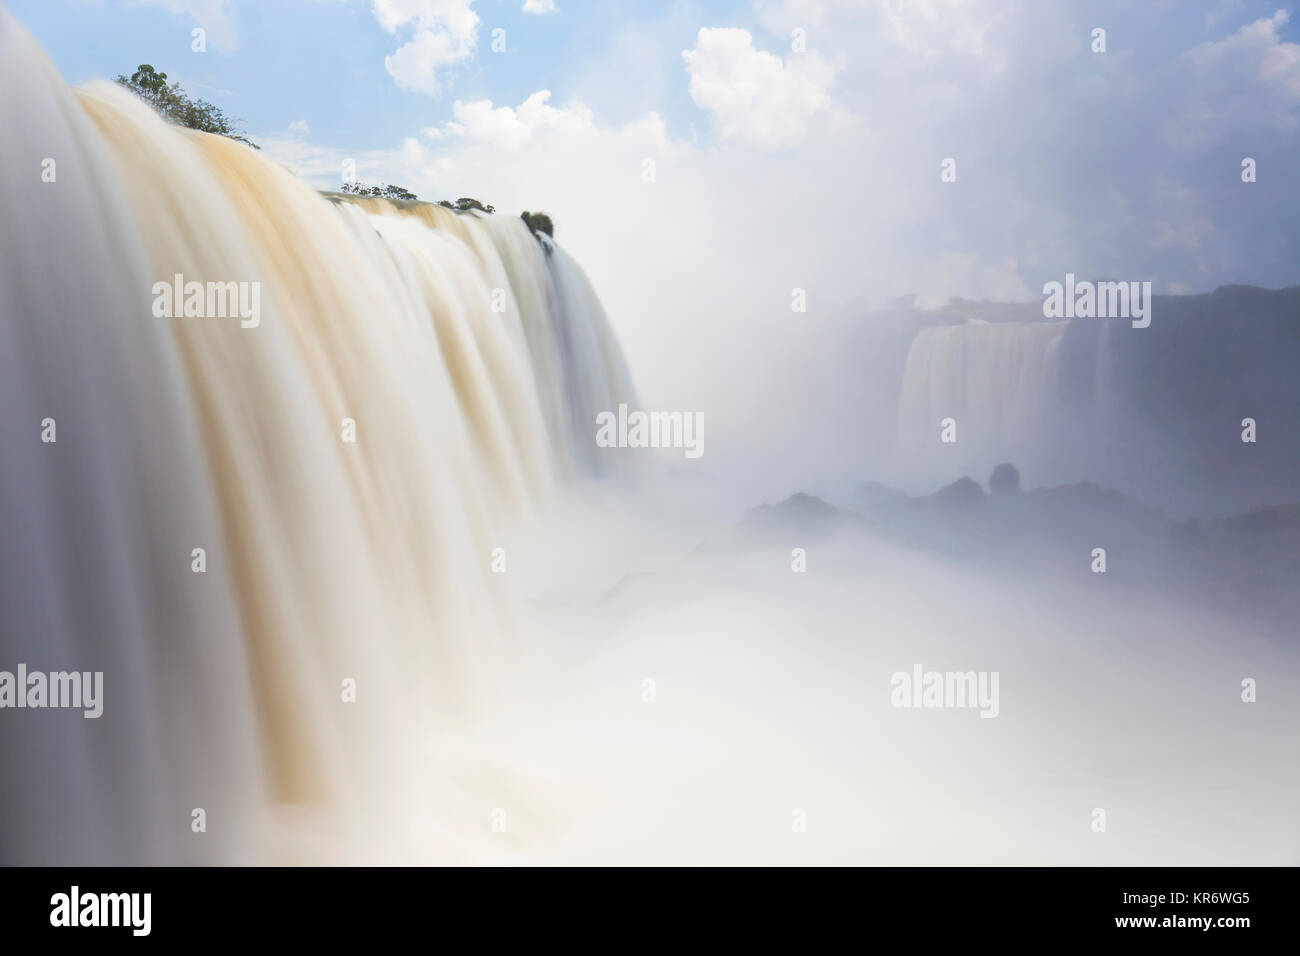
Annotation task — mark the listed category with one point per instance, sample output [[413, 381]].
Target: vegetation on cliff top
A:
[[174, 104], [382, 191], [538, 222], [465, 204]]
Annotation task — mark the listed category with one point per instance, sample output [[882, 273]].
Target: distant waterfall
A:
[[997, 381], [238, 524]]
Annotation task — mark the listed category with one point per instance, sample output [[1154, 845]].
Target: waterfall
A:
[[417, 383], [998, 381]]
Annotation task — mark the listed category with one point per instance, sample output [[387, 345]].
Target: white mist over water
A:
[[771, 694]]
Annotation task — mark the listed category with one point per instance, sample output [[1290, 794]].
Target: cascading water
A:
[[998, 381], [466, 359]]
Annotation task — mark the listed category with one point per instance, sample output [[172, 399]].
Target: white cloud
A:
[[416, 64], [1232, 89], [445, 33], [456, 16], [539, 6], [1257, 58], [753, 94], [507, 128], [299, 127]]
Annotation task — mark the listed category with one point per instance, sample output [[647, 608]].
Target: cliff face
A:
[[1173, 398], [1157, 412]]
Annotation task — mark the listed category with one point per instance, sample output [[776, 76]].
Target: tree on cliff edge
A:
[[538, 222], [172, 103]]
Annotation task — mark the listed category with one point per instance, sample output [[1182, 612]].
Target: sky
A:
[[1110, 160], [708, 161]]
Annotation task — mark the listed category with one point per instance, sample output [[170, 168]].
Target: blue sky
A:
[[777, 163], [272, 62]]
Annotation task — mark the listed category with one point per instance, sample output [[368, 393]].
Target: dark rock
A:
[[962, 493], [1005, 480]]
